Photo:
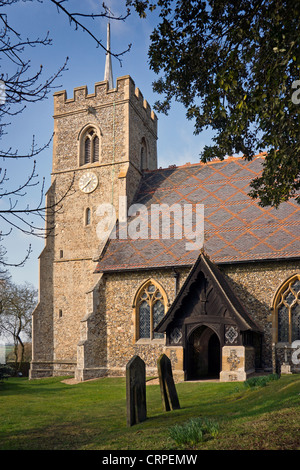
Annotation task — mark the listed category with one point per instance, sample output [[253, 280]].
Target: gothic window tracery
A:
[[287, 310], [150, 308]]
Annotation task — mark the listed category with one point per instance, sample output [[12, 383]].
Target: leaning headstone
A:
[[136, 391], [167, 386]]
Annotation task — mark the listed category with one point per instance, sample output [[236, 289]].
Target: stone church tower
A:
[[102, 142]]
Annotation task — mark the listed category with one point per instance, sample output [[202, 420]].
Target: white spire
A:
[[108, 75]]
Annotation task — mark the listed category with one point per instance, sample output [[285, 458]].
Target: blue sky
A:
[[176, 143]]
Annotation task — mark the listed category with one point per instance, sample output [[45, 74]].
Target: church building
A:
[[145, 260]]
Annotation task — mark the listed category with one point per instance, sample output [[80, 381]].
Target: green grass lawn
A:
[[48, 414]]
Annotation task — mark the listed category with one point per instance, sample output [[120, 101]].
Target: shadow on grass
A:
[[50, 415], [56, 437], [19, 385]]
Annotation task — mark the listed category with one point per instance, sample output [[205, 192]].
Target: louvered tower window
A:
[[96, 149], [87, 150], [91, 147]]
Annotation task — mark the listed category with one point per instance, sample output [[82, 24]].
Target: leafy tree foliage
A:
[[235, 67]]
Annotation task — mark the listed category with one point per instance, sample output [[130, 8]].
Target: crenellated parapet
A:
[[125, 90], [143, 104]]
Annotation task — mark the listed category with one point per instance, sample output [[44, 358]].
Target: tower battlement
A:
[[144, 103], [102, 96], [124, 120]]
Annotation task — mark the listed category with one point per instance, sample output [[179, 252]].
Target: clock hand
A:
[[86, 184]]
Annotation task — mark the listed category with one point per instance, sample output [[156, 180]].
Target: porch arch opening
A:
[[203, 354]]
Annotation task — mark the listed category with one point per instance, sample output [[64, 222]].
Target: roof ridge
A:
[[211, 162]]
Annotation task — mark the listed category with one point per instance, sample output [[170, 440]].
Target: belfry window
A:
[[87, 150], [150, 309], [287, 310], [96, 149], [90, 147]]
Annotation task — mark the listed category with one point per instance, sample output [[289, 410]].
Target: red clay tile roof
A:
[[236, 227]]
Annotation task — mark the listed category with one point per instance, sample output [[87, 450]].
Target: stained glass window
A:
[[158, 313], [288, 311], [151, 309], [296, 322], [296, 286], [144, 320], [283, 323]]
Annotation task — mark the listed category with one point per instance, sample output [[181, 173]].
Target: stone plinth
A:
[[237, 363], [285, 368]]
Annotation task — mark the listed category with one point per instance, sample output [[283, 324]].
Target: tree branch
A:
[[78, 24]]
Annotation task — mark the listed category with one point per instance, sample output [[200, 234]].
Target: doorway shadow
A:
[[203, 354]]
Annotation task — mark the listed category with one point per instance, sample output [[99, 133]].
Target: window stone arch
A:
[[286, 311], [150, 305], [89, 145]]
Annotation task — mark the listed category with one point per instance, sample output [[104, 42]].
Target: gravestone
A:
[[167, 386], [285, 367], [136, 391]]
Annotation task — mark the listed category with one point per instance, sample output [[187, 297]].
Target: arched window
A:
[[89, 146], [87, 216], [87, 150], [150, 307], [96, 149], [143, 155], [286, 306]]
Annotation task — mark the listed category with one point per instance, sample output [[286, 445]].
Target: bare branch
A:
[[16, 218], [78, 24], [33, 153], [24, 185], [23, 86]]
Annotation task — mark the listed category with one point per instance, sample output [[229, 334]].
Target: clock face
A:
[[88, 182]]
